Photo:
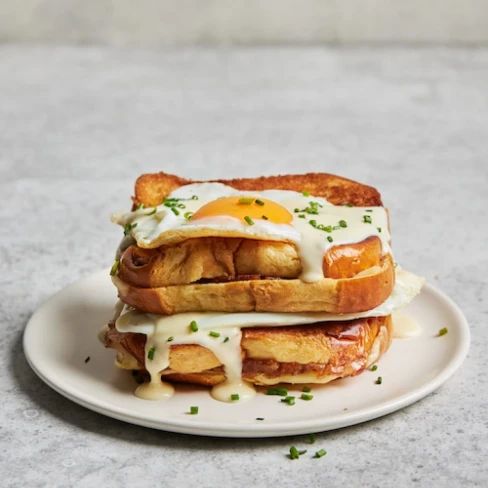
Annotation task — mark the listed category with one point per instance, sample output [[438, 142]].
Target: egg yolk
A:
[[241, 207]]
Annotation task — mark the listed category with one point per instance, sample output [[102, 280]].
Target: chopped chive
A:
[[249, 220], [234, 397], [193, 326], [128, 228], [180, 205], [367, 219], [214, 334], [342, 223], [277, 391], [155, 209], [226, 340], [336, 227], [297, 210], [245, 201], [289, 399], [171, 339], [301, 216], [306, 396], [175, 211], [379, 229], [188, 215], [264, 217], [294, 454], [329, 238], [259, 418], [443, 331], [311, 439], [194, 197], [379, 380], [260, 203], [193, 410], [115, 267], [305, 193], [87, 359], [307, 389], [368, 210], [303, 451], [374, 367], [328, 228], [150, 354], [349, 205], [141, 205], [313, 223], [320, 453]]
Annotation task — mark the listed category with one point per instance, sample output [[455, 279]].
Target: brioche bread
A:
[[316, 353]]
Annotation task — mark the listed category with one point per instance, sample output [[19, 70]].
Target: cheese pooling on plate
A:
[[212, 209]]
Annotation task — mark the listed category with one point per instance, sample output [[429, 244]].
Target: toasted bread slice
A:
[[364, 292], [230, 259], [316, 353], [152, 188]]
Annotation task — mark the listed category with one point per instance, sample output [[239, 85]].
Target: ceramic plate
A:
[[62, 335]]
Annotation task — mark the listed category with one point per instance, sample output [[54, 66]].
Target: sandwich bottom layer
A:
[[312, 353]]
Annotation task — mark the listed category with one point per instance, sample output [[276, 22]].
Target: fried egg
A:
[[213, 209]]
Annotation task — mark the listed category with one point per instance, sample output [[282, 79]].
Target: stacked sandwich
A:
[[230, 284]]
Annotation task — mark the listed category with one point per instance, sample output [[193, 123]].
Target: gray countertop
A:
[[78, 125]]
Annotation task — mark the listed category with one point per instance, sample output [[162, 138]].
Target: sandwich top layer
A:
[[313, 224]]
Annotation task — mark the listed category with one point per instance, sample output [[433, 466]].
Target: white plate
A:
[[63, 333]]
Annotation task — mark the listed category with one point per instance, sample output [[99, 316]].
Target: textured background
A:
[[78, 125], [170, 22]]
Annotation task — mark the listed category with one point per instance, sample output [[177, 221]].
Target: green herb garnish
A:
[[289, 399], [155, 209], [374, 367], [294, 454], [277, 391], [225, 340], [306, 396], [343, 223], [443, 331], [320, 453], [260, 203], [188, 215], [264, 217], [305, 193], [367, 219], [171, 339], [193, 326], [329, 238], [307, 389], [379, 380], [214, 334], [245, 201], [249, 220], [234, 397], [150, 354], [115, 267], [311, 439], [193, 410]]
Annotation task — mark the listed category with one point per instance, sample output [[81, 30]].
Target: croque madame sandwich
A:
[[230, 283]]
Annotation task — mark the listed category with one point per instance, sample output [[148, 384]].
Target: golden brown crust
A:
[[348, 295], [152, 188], [218, 257], [315, 353]]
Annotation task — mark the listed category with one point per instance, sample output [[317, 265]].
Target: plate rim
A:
[[196, 427]]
